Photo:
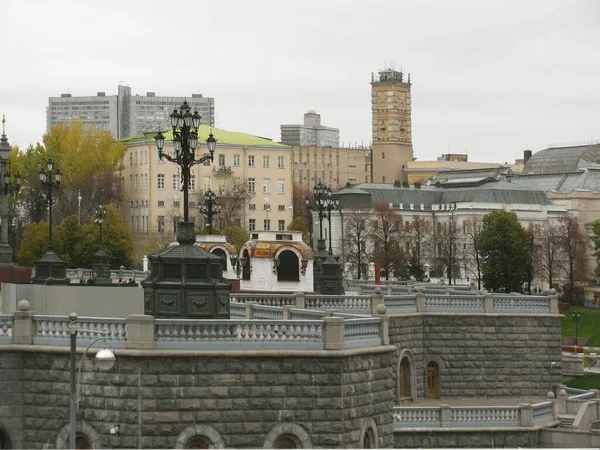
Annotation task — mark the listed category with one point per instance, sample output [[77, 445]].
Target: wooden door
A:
[[432, 380]]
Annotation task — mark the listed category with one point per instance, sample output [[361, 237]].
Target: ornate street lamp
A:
[[50, 269], [100, 260], [100, 215], [6, 252], [209, 208], [200, 272]]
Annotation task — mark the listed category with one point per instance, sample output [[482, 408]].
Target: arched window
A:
[[288, 269], [246, 266], [198, 442], [82, 441], [221, 254], [4, 438], [405, 387], [432, 380], [285, 441], [369, 439]]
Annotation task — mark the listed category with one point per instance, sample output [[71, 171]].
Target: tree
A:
[[549, 252], [67, 242], [504, 252], [596, 240], [235, 235], [34, 244], [448, 244], [574, 248], [300, 224], [385, 233], [419, 239], [473, 228], [356, 232]]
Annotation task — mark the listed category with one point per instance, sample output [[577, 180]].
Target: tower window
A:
[[382, 155]]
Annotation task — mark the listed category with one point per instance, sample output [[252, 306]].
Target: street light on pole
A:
[[210, 207], [6, 252], [50, 180], [100, 215], [105, 360]]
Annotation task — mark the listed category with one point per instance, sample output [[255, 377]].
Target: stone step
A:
[[566, 421]]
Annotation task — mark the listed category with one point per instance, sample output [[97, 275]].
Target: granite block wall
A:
[[483, 355], [475, 438], [11, 400], [154, 400]]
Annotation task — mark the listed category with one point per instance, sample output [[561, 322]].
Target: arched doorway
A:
[[221, 254], [433, 380], [289, 269], [404, 375], [246, 265], [82, 441], [4, 438]]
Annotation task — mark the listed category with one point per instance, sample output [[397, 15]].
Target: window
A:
[[281, 208], [136, 181], [161, 224], [281, 225], [176, 182], [135, 158], [221, 159], [382, 155], [130, 159], [383, 179], [267, 224], [192, 182], [266, 162], [252, 184], [175, 222], [160, 181], [161, 203], [177, 203], [236, 160], [251, 224], [281, 186], [250, 160], [281, 162], [131, 181], [252, 206], [266, 185], [206, 182]]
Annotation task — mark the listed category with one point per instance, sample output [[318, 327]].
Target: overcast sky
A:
[[490, 78]]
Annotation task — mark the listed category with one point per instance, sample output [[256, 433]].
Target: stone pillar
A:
[[445, 415], [420, 299], [488, 302], [360, 289], [384, 329], [300, 300], [145, 264], [333, 333], [376, 300], [389, 289], [24, 329], [554, 304], [526, 414], [249, 310], [287, 314], [562, 401], [140, 332]]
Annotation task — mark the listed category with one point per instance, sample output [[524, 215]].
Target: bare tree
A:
[[550, 251], [448, 243], [385, 233], [419, 239], [472, 231], [574, 247], [356, 231]]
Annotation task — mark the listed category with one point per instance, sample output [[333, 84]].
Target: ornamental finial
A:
[[3, 124]]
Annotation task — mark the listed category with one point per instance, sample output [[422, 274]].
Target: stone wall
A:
[[474, 438], [160, 399], [486, 355], [11, 400]]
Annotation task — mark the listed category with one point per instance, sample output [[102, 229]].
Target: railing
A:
[[306, 314], [237, 310], [362, 332], [267, 312], [236, 334], [485, 416], [351, 302], [443, 303], [115, 274], [264, 299], [6, 322], [446, 416], [401, 303], [54, 330], [521, 303]]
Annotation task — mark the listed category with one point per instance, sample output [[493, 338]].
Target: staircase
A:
[[566, 421]]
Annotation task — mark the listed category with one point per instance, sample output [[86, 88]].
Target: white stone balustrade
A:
[[54, 330], [6, 323], [344, 301]]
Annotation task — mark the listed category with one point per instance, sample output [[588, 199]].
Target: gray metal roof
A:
[[563, 159], [586, 179], [487, 192]]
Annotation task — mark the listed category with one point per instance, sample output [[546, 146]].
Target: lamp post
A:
[[185, 140], [105, 360], [6, 252], [100, 215], [332, 204], [210, 207], [79, 206], [100, 260], [576, 318], [310, 222], [50, 268]]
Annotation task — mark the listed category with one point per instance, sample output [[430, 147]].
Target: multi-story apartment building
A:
[[311, 133], [251, 176], [124, 114], [392, 125], [334, 166]]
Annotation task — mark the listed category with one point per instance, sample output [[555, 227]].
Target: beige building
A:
[[333, 166], [251, 176], [392, 126]]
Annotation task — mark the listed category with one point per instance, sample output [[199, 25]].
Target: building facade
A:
[[251, 177], [124, 114], [334, 166], [311, 133], [391, 125]]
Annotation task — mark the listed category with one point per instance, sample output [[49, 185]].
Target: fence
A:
[[115, 274], [446, 416]]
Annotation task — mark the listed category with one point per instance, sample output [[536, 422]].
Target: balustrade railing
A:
[[115, 274], [521, 303], [267, 312], [485, 416], [362, 332], [237, 310], [264, 299], [238, 334], [6, 322], [543, 413], [344, 301], [54, 330], [401, 303], [306, 314], [442, 303], [423, 417]]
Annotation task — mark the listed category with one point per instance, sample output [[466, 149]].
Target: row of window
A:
[[266, 225], [252, 161], [266, 207]]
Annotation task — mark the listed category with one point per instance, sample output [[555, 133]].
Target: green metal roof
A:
[[222, 137]]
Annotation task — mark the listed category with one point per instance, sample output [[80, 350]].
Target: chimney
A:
[[526, 156]]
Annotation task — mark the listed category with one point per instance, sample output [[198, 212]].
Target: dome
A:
[[311, 110], [563, 159]]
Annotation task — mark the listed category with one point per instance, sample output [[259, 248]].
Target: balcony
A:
[[222, 170]]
